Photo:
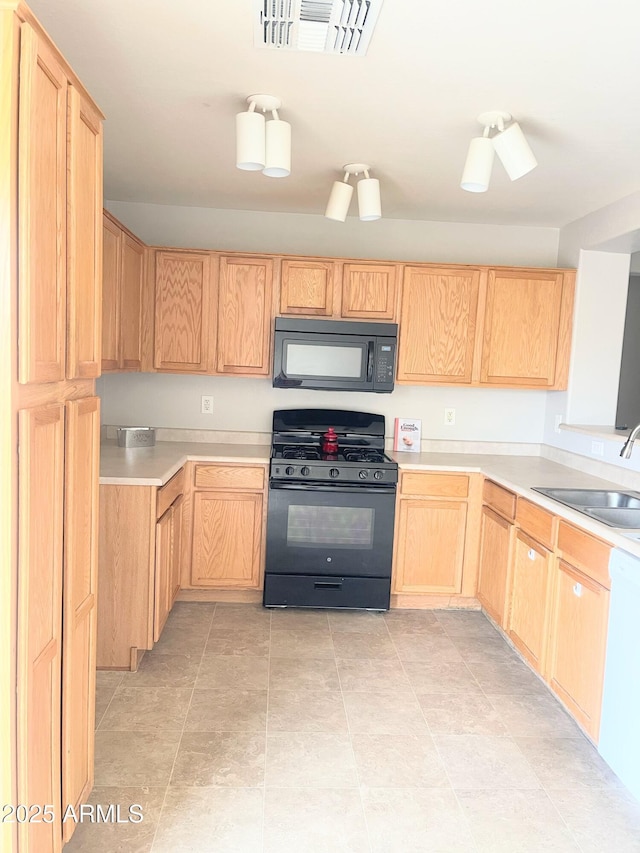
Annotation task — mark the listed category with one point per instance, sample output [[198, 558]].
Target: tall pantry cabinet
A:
[[51, 256]]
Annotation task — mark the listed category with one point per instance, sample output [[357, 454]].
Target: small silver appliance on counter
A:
[[136, 436]]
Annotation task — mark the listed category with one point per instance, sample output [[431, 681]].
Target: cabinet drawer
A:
[[434, 485], [169, 492], [537, 522], [585, 552], [229, 477], [499, 499]]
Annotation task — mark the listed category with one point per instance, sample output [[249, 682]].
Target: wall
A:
[[247, 404], [165, 400], [628, 408]]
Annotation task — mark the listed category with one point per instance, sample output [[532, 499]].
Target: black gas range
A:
[[331, 514]]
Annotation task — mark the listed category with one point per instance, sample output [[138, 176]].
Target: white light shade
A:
[[513, 150], [250, 141], [278, 149], [477, 168], [339, 201], [369, 199]]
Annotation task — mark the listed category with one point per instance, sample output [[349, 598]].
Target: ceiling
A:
[[171, 76]]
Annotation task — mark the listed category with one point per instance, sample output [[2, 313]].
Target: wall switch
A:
[[556, 423], [206, 405], [449, 417], [597, 448]]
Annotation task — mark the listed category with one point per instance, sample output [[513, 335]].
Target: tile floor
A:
[[248, 730]]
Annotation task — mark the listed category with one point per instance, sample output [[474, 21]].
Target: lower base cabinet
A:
[[496, 539], [529, 610]]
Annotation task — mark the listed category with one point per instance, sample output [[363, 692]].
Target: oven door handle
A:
[[339, 487]]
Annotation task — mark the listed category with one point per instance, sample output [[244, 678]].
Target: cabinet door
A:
[[82, 465], [522, 328], [176, 566], [163, 572], [42, 209], [495, 553], [131, 303], [227, 539], [369, 291], [182, 308], [578, 644], [430, 549], [84, 239], [529, 612], [111, 266], [438, 325], [306, 287], [244, 316], [40, 537]]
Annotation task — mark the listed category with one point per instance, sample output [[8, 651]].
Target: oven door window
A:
[[328, 360], [334, 526]]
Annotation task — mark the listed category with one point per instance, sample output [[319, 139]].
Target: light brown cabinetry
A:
[[527, 328], [183, 314], [122, 298], [369, 291], [52, 252], [496, 541], [579, 619], [307, 286], [434, 536], [438, 325], [228, 526], [140, 554], [245, 294], [530, 586]]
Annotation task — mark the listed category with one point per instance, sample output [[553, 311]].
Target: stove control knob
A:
[[289, 470], [305, 471], [363, 474], [333, 472], [378, 475]]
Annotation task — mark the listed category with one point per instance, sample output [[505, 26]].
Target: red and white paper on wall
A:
[[407, 434]]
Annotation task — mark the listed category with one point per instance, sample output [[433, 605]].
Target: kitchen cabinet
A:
[[579, 619], [438, 325], [228, 526], [433, 538], [140, 554], [122, 298], [245, 297], [307, 286], [527, 328], [184, 324], [52, 243], [496, 544], [529, 607], [369, 291]]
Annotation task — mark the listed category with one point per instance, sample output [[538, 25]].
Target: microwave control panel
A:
[[384, 364]]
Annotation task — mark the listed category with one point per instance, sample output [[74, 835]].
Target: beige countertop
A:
[[154, 466]]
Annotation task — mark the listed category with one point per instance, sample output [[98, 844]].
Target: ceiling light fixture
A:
[[509, 144], [369, 205], [263, 145]]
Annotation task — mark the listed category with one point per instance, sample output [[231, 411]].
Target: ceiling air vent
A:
[[324, 26]]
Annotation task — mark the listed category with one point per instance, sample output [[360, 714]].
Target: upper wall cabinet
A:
[[369, 291], [307, 286], [183, 316], [527, 328], [122, 295], [245, 295], [438, 325]]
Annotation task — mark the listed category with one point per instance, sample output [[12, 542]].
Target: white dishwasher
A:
[[619, 742]]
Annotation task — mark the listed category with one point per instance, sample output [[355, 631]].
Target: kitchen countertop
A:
[[154, 466]]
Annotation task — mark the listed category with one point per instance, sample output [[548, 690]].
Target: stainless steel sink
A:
[[615, 508]]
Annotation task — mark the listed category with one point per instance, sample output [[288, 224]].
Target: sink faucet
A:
[[627, 447]]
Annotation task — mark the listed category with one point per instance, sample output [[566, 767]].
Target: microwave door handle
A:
[[370, 361]]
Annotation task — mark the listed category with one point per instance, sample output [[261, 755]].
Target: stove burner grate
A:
[[364, 456], [300, 453]]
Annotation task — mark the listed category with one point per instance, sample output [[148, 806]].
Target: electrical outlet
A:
[[449, 417], [206, 405], [556, 423], [597, 448]]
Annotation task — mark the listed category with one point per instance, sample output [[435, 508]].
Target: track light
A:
[[509, 144], [369, 205], [263, 145]]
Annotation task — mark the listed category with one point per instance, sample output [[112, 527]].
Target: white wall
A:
[[247, 404], [395, 239], [164, 400]]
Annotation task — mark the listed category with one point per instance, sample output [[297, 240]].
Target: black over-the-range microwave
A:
[[334, 355]]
